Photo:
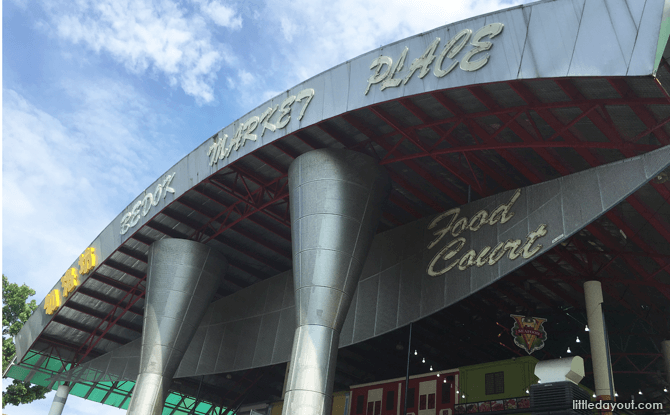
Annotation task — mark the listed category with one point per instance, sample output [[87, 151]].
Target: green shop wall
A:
[[518, 376]]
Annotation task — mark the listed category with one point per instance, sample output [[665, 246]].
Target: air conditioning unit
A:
[[558, 398]]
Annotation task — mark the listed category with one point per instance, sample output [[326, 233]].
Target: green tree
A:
[[15, 312]]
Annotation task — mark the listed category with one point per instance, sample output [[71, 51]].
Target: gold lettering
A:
[[480, 216], [497, 253], [446, 254], [87, 261], [52, 301], [459, 227], [530, 240], [467, 260], [513, 245], [482, 258], [390, 81], [440, 233], [69, 281], [502, 213]]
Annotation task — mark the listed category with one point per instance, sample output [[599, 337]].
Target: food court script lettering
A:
[[449, 223]]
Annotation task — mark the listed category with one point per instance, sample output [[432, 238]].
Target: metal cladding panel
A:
[[246, 348], [284, 340], [550, 46], [544, 39], [613, 50], [225, 361], [387, 300], [275, 295], [197, 343], [210, 348], [309, 343], [432, 295], [582, 203], [647, 39], [410, 292], [115, 363], [347, 332], [366, 306], [264, 347], [510, 44]]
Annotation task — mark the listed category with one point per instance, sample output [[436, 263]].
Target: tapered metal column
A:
[[665, 347], [336, 198], [602, 373], [59, 400], [182, 279]]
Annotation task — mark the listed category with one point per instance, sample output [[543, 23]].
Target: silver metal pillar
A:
[[336, 198], [59, 400], [665, 347], [182, 279], [602, 373]]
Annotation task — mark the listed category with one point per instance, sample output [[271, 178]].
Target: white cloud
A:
[[159, 35], [221, 14], [67, 175]]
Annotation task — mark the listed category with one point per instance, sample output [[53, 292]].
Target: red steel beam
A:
[[336, 135], [447, 188], [415, 140], [224, 205], [242, 232], [110, 320]]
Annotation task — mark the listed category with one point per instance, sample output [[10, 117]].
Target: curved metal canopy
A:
[[537, 93]]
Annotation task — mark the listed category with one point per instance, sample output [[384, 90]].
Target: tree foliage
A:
[[16, 309]]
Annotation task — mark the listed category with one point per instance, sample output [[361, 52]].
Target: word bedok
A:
[[512, 247], [144, 205], [423, 62]]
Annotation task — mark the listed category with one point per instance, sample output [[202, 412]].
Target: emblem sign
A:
[[528, 332]]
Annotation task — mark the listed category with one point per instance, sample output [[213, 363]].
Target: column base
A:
[[148, 396]]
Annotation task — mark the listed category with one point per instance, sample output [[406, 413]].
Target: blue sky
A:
[[101, 97]]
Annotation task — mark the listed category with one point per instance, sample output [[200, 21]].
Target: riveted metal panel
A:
[[366, 305], [248, 332], [582, 201], [432, 294], [267, 334], [644, 51], [596, 23], [275, 295], [284, 339], [347, 332], [410, 291], [609, 189], [210, 348], [190, 360], [225, 361], [551, 41], [386, 315]]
